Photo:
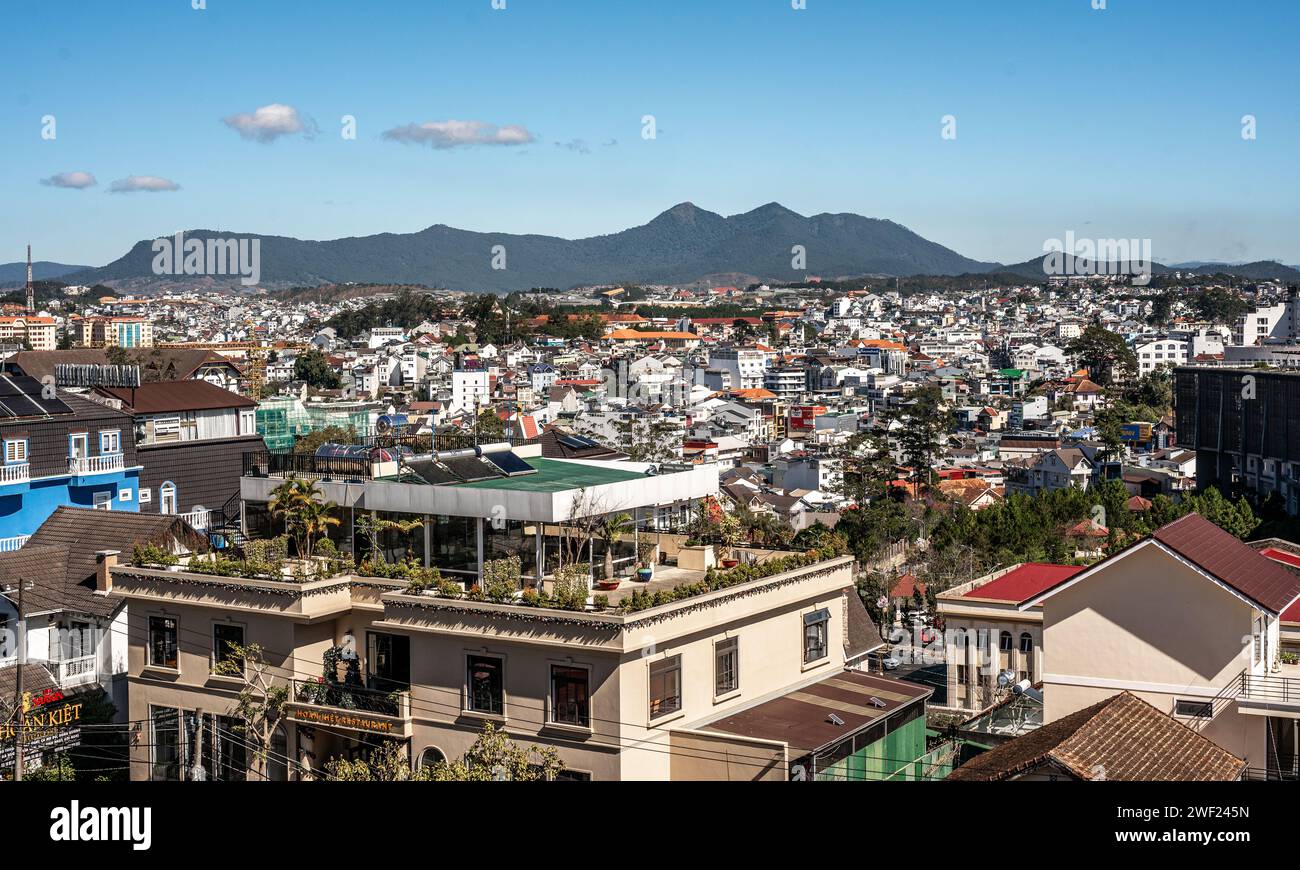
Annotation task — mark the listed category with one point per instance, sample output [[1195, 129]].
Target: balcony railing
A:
[[19, 472], [95, 464], [68, 673], [1270, 690], [14, 542], [265, 464], [351, 708], [197, 519], [77, 672]]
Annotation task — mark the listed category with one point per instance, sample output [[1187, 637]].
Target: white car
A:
[[891, 661]]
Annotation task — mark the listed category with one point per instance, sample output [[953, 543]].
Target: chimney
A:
[[105, 562]]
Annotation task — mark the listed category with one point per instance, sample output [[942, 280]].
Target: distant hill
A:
[[681, 245], [1260, 270], [1036, 270], [1263, 270], [42, 270]]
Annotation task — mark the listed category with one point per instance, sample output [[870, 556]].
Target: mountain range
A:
[[42, 270], [682, 245]]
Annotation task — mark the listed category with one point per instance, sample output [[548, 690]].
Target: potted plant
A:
[[645, 554]]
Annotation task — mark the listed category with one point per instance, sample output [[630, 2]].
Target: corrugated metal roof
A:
[[1234, 563]]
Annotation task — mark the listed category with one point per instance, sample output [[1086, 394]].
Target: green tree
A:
[[312, 366], [926, 421], [1104, 353], [495, 757]]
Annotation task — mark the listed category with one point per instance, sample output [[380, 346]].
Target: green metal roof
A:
[[554, 476]]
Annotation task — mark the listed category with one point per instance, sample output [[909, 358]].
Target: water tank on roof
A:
[[387, 424]]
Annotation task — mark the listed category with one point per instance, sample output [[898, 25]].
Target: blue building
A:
[[56, 449]]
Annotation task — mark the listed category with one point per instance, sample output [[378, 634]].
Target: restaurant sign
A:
[[46, 725]]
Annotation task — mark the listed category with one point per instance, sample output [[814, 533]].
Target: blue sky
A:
[[1122, 122]]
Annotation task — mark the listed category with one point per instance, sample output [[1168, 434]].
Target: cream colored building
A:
[[619, 695], [989, 643], [1189, 620], [39, 332]]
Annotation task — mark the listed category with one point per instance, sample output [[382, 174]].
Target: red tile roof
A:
[[906, 583], [1023, 582], [1223, 556]]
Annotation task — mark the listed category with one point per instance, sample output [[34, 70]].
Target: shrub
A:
[[501, 578], [150, 556]]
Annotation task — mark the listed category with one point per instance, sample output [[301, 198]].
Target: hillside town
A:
[[828, 531]]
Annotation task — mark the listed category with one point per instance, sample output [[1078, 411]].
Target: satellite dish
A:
[[652, 470]]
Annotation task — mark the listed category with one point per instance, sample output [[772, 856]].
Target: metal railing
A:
[[14, 542], [1272, 774], [261, 463], [347, 697], [19, 472], [95, 464], [1270, 690]]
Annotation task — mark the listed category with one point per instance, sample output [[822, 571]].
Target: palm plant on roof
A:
[[611, 528], [305, 513]]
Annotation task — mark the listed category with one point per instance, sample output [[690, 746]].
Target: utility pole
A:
[[18, 685]]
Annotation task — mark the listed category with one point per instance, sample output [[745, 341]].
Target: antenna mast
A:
[[31, 294]]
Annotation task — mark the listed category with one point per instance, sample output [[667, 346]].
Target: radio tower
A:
[[31, 294]]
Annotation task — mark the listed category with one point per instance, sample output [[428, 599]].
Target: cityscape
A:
[[506, 436]]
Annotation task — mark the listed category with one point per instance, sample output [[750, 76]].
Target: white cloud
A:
[[74, 180], [134, 183], [268, 123], [459, 134]]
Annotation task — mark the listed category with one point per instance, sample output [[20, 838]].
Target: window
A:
[[231, 745], [146, 495], [571, 695], [1257, 640], [430, 757], [110, 441], [162, 642], [814, 635], [726, 666], [15, 451], [1004, 641], [225, 637], [103, 501], [1194, 709], [77, 445], [167, 498], [665, 686], [388, 662], [164, 725], [1026, 656], [486, 692], [124, 495]]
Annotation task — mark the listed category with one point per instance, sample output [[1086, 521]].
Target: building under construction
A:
[[1244, 425]]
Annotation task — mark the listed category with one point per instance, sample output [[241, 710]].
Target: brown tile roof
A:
[[862, 635], [177, 396], [36, 678], [1234, 563], [59, 559], [1122, 738]]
